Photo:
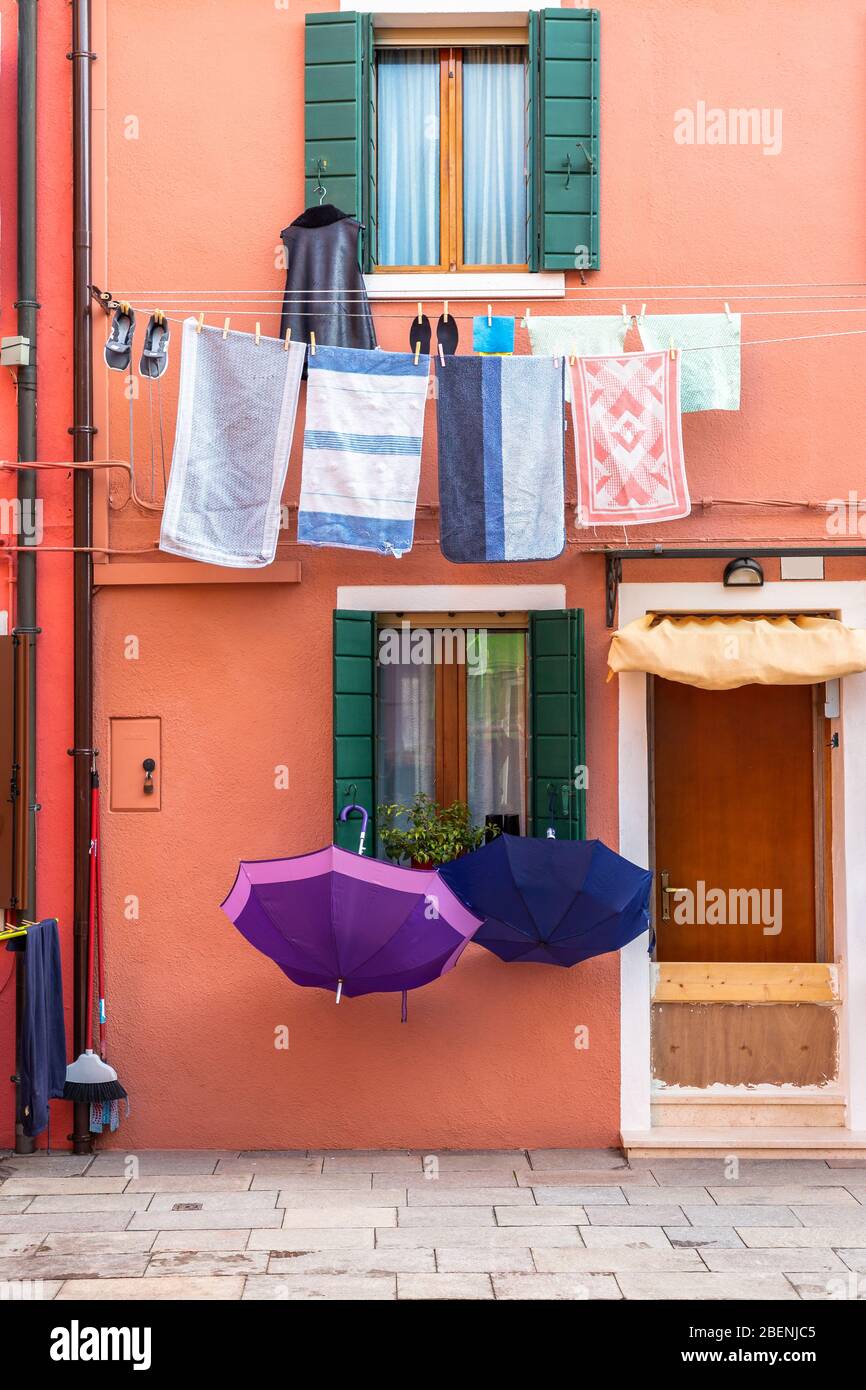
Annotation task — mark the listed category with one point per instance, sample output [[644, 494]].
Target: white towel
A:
[[711, 361], [235, 419]]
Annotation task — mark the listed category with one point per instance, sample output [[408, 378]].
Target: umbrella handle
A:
[[345, 814]]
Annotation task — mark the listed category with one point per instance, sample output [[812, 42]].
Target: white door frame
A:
[[846, 599]]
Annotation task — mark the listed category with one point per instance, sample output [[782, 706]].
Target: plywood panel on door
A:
[[734, 812]]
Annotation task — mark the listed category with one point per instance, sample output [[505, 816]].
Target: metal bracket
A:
[[104, 299], [612, 580]]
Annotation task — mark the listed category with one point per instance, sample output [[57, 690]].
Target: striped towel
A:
[[362, 449], [628, 439], [711, 364], [500, 424]]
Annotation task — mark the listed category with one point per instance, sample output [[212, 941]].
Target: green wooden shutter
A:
[[557, 751], [564, 53], [354, 723], [337, 109]]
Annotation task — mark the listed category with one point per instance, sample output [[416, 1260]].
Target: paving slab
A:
[[698, 1287], [587, 1177], [432, 1195], [173, 1287], [703, 1237], [354, 1288], [619, 1237], [185, 1182], [576, 1287], [78, 1265], [208, 1262], [487, 1237], [140, 1163], [374, 1163], [451, 1286], [469, 1259], [575, 1196], [853, 1221], [553, 1215], [90, 1202], [677, 1196], [827, 1237], [830, 1287], [668, 1215], [53, 1186], [319, 1182], [304, 1239], [251, 1217], [796, 1193], [215, 1201], [48, 1164], [271, 1167], [462, 1178], [450, 1216], [314, 1196], [234, 1238], [577, 1158], [335, 1217], [355, 1262], [749, 1172], [65, 1221], [853, 1259], [784, 1260], [86, 1242], [743, 1216], [615, 1260], [19, 1245], [14, 1206]]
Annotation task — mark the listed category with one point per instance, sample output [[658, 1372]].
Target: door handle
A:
[[667, 893]]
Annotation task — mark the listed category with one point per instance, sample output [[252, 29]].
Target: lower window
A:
[[451, 719]]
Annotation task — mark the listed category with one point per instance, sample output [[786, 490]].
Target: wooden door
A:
[[734, 816]]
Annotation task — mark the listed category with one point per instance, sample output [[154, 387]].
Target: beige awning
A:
[[718, 653]]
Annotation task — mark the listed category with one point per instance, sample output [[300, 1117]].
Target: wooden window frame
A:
[[451, 259], [451, 753]]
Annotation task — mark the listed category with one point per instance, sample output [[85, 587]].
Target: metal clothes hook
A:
[[321, 165]]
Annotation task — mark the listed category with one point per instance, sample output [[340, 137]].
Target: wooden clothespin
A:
[[489, 316], [159, 316], [673, 351], [417, 353], [571, 360], [642, 312], [288, 340], [312, 344], [625, 315], [420, 311], [525, 323], [226, 329], [258, 334], [445, 314], [200, 324], [728, 313], [442, 354]]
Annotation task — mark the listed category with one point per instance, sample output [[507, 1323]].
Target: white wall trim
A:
[[493, 11], [522, 285], [848, 599], [451, 598]]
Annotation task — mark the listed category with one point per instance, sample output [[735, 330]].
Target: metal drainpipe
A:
[[25, 614], [82, 433]]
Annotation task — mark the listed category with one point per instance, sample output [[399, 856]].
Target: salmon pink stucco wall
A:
[[54, 577], [202, 139]]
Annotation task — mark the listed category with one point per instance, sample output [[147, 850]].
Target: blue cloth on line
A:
[[501, 460], [42, 1051], [362, 449], [497, 335]]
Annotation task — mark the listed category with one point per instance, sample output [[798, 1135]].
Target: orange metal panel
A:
[[132, 742]]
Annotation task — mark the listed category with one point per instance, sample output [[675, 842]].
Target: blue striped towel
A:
[[362, 449], [501, 491]]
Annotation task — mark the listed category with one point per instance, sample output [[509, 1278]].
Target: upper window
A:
[[450, 148]]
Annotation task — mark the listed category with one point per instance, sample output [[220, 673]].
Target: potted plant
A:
[[428, 834]]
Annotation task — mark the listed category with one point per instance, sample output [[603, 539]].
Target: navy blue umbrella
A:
[[552, 901]]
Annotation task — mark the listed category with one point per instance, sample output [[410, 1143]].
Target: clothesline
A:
[[408, 314], [327, 297], [708, 347]]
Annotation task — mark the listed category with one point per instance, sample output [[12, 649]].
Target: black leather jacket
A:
[[325, 289]]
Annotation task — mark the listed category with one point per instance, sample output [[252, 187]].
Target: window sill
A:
[[479, 285]]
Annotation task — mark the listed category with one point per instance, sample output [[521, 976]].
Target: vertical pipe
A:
[[25, 616], [82, 433]]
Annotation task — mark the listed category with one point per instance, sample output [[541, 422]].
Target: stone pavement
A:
[[522, 1224]]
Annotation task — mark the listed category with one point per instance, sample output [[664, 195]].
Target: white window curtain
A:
[[407, 157], [496, 727], [406, 743], [494, 196]]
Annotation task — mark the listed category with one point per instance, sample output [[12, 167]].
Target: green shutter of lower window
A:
[[564, 54], [557, 750], [354, 724], [337, 109]]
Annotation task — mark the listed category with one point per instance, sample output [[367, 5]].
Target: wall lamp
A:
[[741, 572]]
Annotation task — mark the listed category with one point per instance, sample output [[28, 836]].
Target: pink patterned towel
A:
[[628, 439]]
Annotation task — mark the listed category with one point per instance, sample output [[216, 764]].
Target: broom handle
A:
[[100, 931], [91, 910]]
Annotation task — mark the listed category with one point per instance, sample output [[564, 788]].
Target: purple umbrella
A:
[[334, 920]]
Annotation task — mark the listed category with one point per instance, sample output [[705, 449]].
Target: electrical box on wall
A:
[[135, 767]]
